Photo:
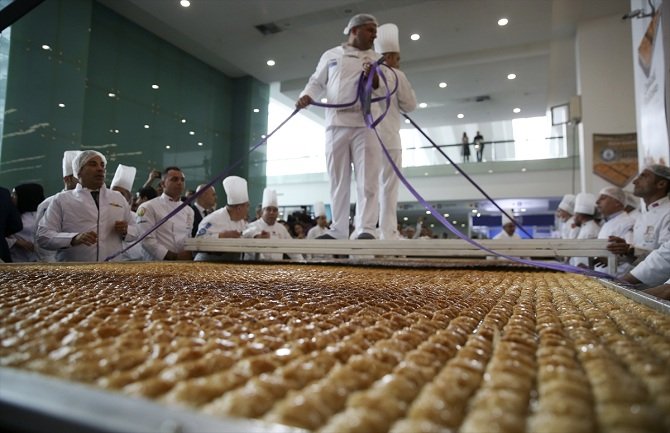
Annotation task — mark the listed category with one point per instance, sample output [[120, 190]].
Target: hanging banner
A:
[[649, 67], [615, 157]]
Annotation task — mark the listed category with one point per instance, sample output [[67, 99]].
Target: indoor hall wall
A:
[[94, 52], [605, 83]]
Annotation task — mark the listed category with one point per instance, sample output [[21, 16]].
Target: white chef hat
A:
[[359, 20], [585, 203], [659, 170], [567, 203], [236, 190], [615, 192], [269, 198], [124, 177], [68, 157], [505, 218], [631, 200], [387, 39], [319, 209], [82, 158]]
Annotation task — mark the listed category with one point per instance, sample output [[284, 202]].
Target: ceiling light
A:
[[517, 110], [155, 86], [523, 209], [425, 174], [116, 131], [415, 36], [442, 85], [511, 76], [167, 147], [191, 132], [462, 225], [324, 100], [185, 3], [460, 115], [454, 222], [270, 62], [111, 94], [199, 143], [256, 110], [423, 105], [146, 126], [46, 47], [503, 22], [474, 210], [490, 171], [183, 120], [427, 212], [478, 214], [432, 225], [407, 121], [523, 169], [405, 218], [446, 215], [61, 105]]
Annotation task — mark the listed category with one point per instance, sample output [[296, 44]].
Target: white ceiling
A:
[[460, 44]]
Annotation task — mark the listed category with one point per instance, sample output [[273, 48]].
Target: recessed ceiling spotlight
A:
[[511, 76], [270, 62], [446, 215], [407, 121], [462, 225], [474, 210], [46, 47], [490, 171], [199, 143], [425, 174], [155, 86], [503, 22], [478, 214], [183, 120], [523, 209], [423, 105], [116, 131], [460, 115], [427, 212], [61, 105], [256, 110], [185, 3], [167, 147], [263, 135], [405, 218], [111, 94], [517, 110], [146, 126], [523, 169], [415, 36], [191, 132], [442, 85], [324, 100], [454, 222]]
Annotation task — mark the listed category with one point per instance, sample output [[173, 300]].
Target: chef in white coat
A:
[[508, 231], [403, 100], [585, 209], [611, 204], [565, 213], [123, 180]]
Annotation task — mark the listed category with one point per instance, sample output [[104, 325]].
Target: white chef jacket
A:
[[567, 229], [654, 270], [210, 227], [172, 235], [619, 225], [337, 75], [73, 212], [136, 253], [588, 230], [652, 227], [504, 236], [277, 231], [27, 233], [316, 231], [43, 254]]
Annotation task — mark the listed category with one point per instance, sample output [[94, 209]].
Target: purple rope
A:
[[192, 197]]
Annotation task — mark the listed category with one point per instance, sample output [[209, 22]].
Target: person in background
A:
[[153, 176], [632, 204], [565, 211], [404, 100], [10, 222], [146, 193], [26, 198], [321, 226], [298, 230], [508, 229], [168, 240], [88, 223], [479, 146], [585, 209], [652, 226], [610, 203], [465, 147], [69, 183], [227, 222], [204, 205], [268, 228], [123, 181], [348, 140]]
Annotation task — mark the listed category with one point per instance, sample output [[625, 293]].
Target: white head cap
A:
[[387, 39], [82, 158], [68, 157], [505, 219], [269, 198], [236, 190], [615, 192], [567, 203], [631, 200], [124, 177], [359, 20], [585, 203], [659, 170], [319, 209]]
